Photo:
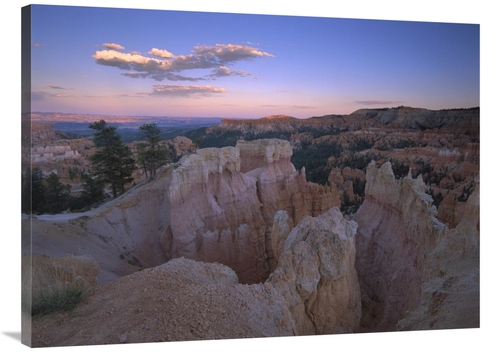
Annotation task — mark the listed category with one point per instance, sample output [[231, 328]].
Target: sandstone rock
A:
[[450, 294], [396, 229], [177, 301], [316, 275], [40, 132], [230, 196], [401, 251], [449, 211], [314, 290], [180, 146], [204, 207], [282, 225], [345, 180], [266, 151]]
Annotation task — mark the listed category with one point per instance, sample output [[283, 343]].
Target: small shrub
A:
[[58, 298], [56, 284]]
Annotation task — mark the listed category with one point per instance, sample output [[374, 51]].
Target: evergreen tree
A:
[[33, 192], [152, 154], [113, 163], [56, 194], [93, 189]]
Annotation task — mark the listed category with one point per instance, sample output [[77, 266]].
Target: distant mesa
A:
[[277, 117]]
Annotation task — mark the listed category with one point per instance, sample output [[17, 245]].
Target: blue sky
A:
[[175, 63]]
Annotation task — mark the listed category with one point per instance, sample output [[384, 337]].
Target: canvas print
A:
[[200, 176]]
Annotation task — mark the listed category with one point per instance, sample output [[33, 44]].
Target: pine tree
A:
[[113, 162], [152, 154], [93, 189], [56, 194], [33, 192]]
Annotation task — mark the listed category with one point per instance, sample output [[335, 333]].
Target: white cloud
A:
[[163, 65], [161, 53], [224, 71], [160, 76], [226, 53], [113, 46], [127, 61]]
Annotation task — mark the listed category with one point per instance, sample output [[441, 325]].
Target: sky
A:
[[186, 63]]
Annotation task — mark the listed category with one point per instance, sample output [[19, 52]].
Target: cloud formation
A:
[[186, 91], [164, 65], [161, 53], [161, 76], [227, 53], [53, 86], [378, 102], [302, 107], [224, 71], [113, 46]]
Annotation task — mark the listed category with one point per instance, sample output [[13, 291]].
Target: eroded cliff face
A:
[[403, 252], [216, 205], [315, 272], [208, 210], [441, 145], [223, 202], [450, 292], [314, 290]]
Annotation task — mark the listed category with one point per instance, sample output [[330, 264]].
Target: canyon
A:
[[234, 242], [442, 146], [241, 240]]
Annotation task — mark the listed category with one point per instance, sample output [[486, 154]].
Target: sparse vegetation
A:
[[57, 298], [55, 285], [44, 194]]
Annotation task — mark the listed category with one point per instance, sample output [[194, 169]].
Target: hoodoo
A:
[[215, 205], [185, 245], [408, 261]]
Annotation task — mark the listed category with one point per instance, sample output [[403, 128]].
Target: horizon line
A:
[[237, 118]]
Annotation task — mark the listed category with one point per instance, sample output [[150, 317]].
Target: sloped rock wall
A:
[[223, 202], [314, 290], [401, 248], [315, 273]]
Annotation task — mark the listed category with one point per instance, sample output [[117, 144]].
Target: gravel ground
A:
[[178, 301]]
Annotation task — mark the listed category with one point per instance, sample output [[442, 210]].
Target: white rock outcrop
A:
[[316, 276]]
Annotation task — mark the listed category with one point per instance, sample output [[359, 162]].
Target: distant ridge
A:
[[402, 117], [278, 117]]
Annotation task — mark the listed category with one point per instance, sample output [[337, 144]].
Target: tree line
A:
[[111, 166]]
